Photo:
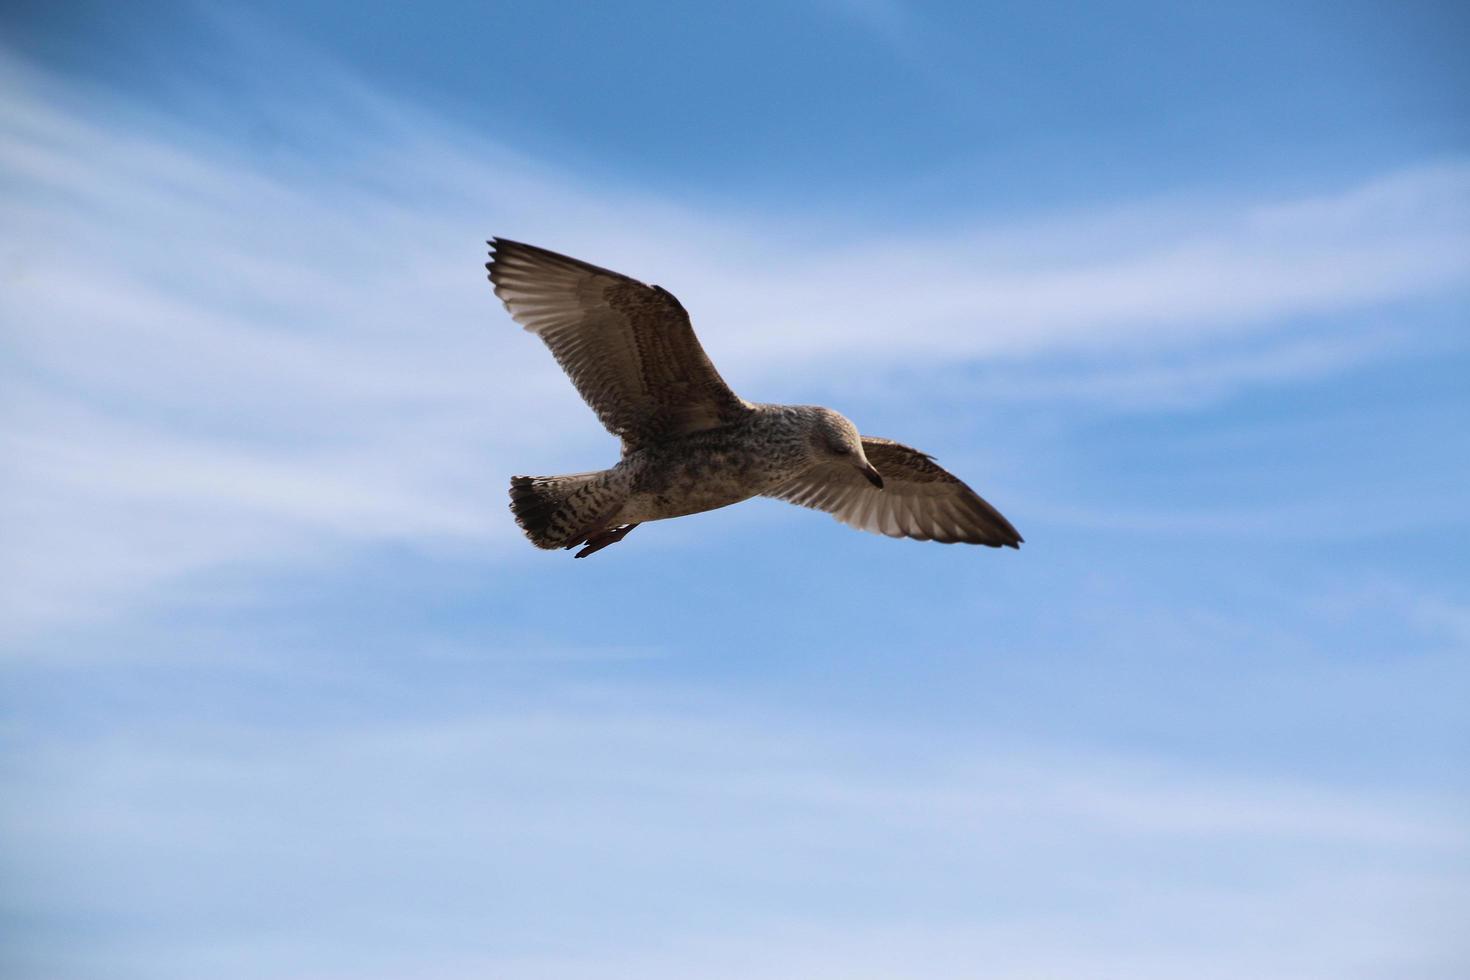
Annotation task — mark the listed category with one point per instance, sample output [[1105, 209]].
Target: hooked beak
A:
[[874, 477]]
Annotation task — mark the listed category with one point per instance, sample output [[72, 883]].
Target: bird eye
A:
[[841, 450]]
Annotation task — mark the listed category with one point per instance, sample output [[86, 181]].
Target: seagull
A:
[[690, 444]]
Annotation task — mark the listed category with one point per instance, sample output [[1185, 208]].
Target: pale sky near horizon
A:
[[1182, 289]]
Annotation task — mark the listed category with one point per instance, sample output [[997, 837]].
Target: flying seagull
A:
[[690, 444]]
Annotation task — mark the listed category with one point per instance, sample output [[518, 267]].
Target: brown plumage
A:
[[691, 444], [920, 499], [629, 348]]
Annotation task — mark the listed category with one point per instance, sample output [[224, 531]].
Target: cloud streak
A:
[[216, 357], [498, 832]]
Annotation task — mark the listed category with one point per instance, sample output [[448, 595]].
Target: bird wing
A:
[[920, 499], [629, 348]]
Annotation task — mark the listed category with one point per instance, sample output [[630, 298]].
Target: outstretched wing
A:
[[920, 499], [628, 347]]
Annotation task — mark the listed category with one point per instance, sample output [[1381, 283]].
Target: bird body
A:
[[715, 467], [690, 444]]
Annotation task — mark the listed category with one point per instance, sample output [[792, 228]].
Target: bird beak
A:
[[874, 477]]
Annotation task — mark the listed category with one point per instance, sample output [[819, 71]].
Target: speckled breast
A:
[[703, 472]]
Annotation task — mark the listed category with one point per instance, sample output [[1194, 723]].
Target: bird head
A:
[[836, 440]]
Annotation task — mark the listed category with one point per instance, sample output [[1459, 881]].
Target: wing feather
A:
[[629, 348], [920, 499]]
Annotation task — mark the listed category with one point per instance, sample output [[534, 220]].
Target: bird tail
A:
[[550, 509]]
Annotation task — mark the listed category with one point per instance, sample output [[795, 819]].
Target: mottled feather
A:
[[629, 348], [690, 444], [920, 499]]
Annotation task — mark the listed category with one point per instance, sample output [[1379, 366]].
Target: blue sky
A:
[[1182, 289]]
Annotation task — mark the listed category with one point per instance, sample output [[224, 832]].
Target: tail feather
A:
[[543, 507]]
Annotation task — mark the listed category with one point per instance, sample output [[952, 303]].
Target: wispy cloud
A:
[[218, 356], [599, 823]]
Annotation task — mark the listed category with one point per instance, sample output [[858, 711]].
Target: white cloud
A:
[[583, 840], [216, 355]]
